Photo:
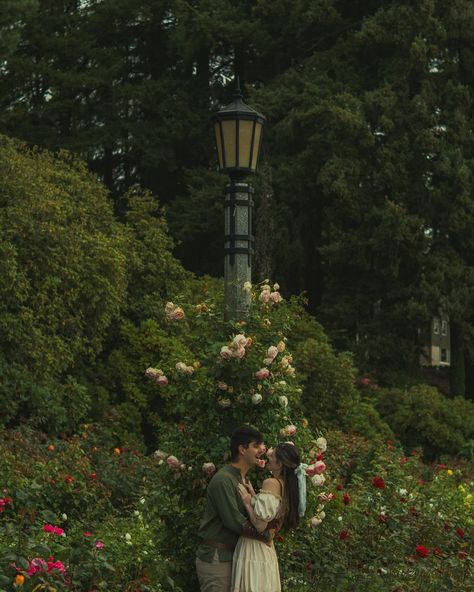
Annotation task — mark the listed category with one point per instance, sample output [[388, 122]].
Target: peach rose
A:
[[264, 296], [226, 352], [239, 341], [275, 297]]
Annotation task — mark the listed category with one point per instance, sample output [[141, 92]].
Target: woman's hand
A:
[[244, 494]]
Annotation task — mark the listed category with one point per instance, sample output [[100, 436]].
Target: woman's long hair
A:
[[289, 457]]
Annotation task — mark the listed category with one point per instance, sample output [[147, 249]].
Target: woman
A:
[[279, 504]]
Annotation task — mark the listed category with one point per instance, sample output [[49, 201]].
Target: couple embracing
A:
[[236, 552]]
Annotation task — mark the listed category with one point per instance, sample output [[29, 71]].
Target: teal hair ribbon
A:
[[300, 473]]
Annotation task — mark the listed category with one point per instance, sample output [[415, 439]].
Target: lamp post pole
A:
[[238, 129], [238, 249]]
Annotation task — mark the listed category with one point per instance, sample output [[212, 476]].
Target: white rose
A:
[[318, 480], [322, 443], [283, 401], [247, 286], [256, 398], [224, 403]]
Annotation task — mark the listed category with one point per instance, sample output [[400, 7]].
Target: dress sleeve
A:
[[267, 505]]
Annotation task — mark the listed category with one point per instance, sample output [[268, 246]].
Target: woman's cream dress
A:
[[255, 564]]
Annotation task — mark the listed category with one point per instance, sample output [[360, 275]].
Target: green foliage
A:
[[62, 281], [93, 494], [422, 416]]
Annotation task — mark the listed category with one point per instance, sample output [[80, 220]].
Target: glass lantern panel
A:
[[217, 131], [256, 145], [245, 142], [228, 129]]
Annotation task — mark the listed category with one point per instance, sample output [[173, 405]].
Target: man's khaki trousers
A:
[[215, 576]]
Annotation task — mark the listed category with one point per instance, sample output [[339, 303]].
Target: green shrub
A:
[[422, 416]]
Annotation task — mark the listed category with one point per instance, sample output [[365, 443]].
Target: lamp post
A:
[[238, 130]]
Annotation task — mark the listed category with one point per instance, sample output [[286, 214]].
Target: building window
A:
[[444, 327], [436, 326], [444, 355]]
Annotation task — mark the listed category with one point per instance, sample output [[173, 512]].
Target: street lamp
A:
[[238, 130]]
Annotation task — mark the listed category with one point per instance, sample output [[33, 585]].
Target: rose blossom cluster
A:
[[50, 528], [236, 348], [157, 376], [39, 565], [5, 501], [315, 472], [173, 312], [270, 295], [183, 368]]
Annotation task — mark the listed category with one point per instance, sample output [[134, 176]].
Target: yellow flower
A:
[[117, 451], [449, 471], [304, 423], [19, 580], [461, 488]]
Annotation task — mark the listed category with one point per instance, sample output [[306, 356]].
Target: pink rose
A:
[[261, 462], [99, 545], [161, 380], [173, 463], [316, 469], [264, 296], [222, 386], [177, 314], [263, 373], [291, 430], [209, 469]]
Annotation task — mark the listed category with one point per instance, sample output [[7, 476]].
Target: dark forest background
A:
[[365, 194]]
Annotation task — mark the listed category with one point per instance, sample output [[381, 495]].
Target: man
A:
[[225, 518]]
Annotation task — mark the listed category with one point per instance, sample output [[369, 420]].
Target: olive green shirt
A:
[[224, 514]]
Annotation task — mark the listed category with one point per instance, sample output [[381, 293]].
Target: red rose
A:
[[346, 498], [339, 487], [446, 526], [462, 555], [68, 479], [422, 551], [437, 552], [382, 518], [378, 482], [343, 535], [320, 456], [460, 533]]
